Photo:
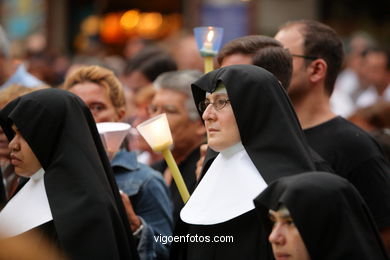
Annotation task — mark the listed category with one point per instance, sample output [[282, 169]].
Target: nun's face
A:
[[221, 125], [287, 243], [22, 157]]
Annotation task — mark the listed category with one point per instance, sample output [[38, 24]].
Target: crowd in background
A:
[[150, 78]]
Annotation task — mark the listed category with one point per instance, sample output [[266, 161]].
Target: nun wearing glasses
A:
[[251, 123]]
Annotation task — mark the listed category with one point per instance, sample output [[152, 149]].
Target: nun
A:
[[318, 215], [251, 123], [71, 198]]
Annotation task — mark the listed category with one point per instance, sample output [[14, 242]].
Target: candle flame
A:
[[210, 36]]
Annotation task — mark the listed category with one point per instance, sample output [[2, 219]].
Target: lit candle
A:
[[208, 40], [156, 132], [158, 135], [207, 49]]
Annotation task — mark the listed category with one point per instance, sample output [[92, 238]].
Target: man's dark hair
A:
[[266, 52], [151, 62], [276, 60], [321, 41]]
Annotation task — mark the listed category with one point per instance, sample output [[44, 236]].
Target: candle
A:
[[207, 49], [208, 39], [180, 184], [158, 135]]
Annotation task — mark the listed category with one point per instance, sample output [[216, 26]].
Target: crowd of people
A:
[[284, 147]]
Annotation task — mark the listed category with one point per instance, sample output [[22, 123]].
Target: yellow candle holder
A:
[[208, 64], [158, 135]]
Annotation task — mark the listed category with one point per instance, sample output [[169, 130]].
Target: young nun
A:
[[251, 123], [71, 197], [318, 216]]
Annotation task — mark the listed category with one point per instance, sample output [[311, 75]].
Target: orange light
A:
[[130, 19], [110, 29], [117, 27], [90, 25], [149, 24]]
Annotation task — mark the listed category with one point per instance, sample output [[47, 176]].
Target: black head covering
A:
[[3, 197], [88, 213], [268, 126], [331, 216]]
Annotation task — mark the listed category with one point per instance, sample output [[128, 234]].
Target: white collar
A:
[[226, 191], [232, 150], [28, 209]]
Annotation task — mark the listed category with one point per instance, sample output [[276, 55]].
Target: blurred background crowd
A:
[[147, 50], [53, 37]]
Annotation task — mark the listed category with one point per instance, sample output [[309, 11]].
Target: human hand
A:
[[199, 164], [134, 220]]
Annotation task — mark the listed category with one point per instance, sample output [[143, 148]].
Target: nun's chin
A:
[[221, 146], [217, 145]]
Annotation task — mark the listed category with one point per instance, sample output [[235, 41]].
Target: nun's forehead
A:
[[221, 89]]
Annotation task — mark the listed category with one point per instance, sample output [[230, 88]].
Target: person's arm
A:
[[134, 220], [199, 164], [154, 212], [154, 207]]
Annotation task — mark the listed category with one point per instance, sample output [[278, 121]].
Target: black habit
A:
[[331, 216], [89, 220], [271, 136]]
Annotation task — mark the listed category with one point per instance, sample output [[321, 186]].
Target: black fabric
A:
[[187, 169], [268, 125], [247, 233], [274, 141], [355, 155], [88, 213], [332, 218], [46, 231], [3, 197], [319, 162]]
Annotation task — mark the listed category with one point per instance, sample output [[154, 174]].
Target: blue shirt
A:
[[22, 77], [150, 199]]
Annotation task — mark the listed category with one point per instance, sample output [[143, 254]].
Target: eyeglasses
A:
[[218, 104], [304, 56]]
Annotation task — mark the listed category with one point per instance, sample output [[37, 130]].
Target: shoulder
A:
[[344, 145], [149, 173], [141, 174], [131, 176], [342, 135], [152, 185], [21, 76]]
